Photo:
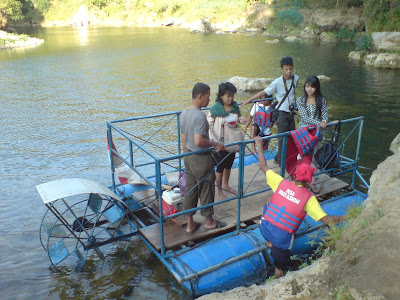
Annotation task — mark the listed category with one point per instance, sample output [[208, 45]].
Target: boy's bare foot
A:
[[221, 195]]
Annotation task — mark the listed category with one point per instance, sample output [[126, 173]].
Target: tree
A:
[[11, 9]]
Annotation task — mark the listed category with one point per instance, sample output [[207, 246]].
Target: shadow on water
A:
[[56, 101]]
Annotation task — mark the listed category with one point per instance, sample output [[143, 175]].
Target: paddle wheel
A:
[[85, 225]]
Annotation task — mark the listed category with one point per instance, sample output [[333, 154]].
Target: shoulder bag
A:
[[232, 134], [274, 108]]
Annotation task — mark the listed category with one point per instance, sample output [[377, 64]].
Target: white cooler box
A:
[[170, 199]]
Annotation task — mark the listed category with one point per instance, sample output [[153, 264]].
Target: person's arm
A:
[[260, 95], [315, 211], [201, 141], [261, 158], [248, 122], [183, 140], [211, 122], [324, 113], [330, 219]]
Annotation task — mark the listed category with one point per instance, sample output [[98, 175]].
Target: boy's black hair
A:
[[224, 88], [200, 89], [287, 61]]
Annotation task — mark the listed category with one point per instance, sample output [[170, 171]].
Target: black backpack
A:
[[328, 156]]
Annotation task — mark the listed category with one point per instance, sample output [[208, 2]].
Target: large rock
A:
[[395, 145], [250, 84], [386, 60], [328, 37], [323, 78], [386, 41], [370, 58], [201, 26], [309, 33], [335, 19], [357, 55], [292, 38]]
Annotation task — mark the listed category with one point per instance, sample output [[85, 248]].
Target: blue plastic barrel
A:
[[246, 271]]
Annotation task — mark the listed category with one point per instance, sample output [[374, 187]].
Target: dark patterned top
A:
[[307, 112]]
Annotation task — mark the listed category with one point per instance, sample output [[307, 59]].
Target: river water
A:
[[56, 99]]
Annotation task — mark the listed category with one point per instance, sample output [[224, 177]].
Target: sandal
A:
[[196, 226], [218, 224]]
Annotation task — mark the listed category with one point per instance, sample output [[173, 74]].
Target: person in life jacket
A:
[[288, 206], [262, 125]]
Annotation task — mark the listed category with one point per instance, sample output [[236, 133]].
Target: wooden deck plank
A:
[[251, 208]]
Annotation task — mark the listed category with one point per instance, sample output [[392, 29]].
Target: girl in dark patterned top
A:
[[312, 106], [313, 110]]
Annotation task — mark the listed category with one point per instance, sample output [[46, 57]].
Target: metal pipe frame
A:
[[157, 162]]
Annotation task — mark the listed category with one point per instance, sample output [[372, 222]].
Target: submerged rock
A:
[[201, 26], [275, 41], [292, 38], [357, 55]]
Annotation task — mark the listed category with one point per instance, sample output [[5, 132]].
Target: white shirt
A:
[[277, 86]]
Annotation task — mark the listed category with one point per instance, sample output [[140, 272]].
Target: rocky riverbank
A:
[[11, 40], [385, 51], [365, 263]]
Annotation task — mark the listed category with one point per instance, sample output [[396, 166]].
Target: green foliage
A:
[[12, 9], [382, 15], [289, 17], [364, 42], [345, 34], [97, 3], [42, 5], [270, 279]]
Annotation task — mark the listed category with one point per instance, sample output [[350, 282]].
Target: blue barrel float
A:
[[223, 264]]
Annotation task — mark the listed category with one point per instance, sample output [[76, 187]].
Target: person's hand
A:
[[258, 141], [246, 101], [219, 146], [242, 120], [323, 124]]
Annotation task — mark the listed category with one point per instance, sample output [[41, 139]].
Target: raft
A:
[[205, 261]]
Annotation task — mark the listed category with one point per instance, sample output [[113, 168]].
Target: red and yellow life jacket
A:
[[262, 118], [286, 208]]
